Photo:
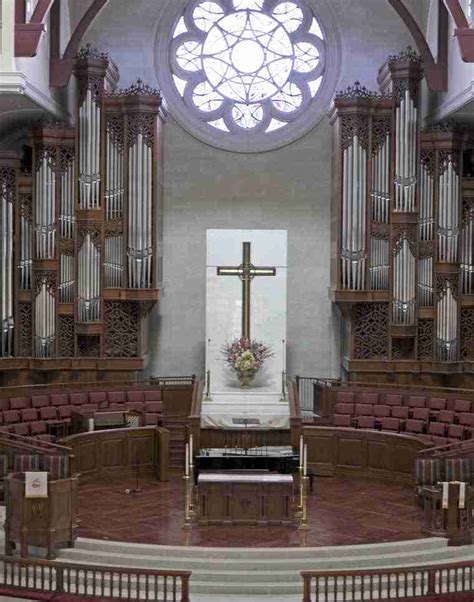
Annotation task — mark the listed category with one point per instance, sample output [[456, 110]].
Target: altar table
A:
[[260, 499]]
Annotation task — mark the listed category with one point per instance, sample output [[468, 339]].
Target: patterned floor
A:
[[341, 512]]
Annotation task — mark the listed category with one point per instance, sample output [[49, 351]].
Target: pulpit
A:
[[250, 498]]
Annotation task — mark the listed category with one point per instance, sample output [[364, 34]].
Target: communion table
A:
[[261, 498]]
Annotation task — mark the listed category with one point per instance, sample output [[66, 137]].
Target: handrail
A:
[[375, 385], [98, 581], [444, 451], [29, 443], [155, 381], [388, 583]]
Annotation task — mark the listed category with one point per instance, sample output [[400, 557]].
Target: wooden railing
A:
[[314, 393], [101, 582], [450, 450], [388, 584], [295, 413], [32, 445], [154, 382]]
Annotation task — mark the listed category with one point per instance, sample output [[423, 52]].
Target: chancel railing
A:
[[399, 583], [93, 581]]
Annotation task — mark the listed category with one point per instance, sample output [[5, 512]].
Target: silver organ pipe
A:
[[45, 211], [404, 294], [113, 179], [45, 322], [26, 250], [406, 155], [67, 218], [66, 278], [446, 328], [6, 271], [426, 233], [380, 196], [89, 153], [139, 251], [467, 251], [88, 285], [113, 261], [354, 220], [425, 281], [448, 214]]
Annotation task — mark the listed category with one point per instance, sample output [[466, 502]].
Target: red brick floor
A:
[[341, 511]]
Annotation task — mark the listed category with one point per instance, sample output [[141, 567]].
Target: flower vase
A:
[[245, 379]]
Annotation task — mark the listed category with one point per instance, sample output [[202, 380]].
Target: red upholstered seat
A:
[[446, 416], [29, 415], [390, 424], [341, 408], [436, 403], [60, 399], [19, 403], [138, 406], [365, 422], [135, 396], [342, 420], [456, 431], [38, 401], [414, 426], [151, 418], [38, 427], [99, 397], [415, 401], [439, 441], [21, 428], [90, 407], [400, 412], [421, 414], [4, 404], [49, 413], [466, 419], [366, 397], [44, 437], [116, 397], [117, 406], [154, 395], [345, 397], [78, 399], [363, 409], [437, 429], [65, 412], [462, 405], [393, 400], [11, 416], [157, 407], [381, 411]]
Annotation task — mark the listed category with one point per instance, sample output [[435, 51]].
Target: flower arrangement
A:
[[246, 357]]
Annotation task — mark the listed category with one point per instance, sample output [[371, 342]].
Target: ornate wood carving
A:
[[371, 322], [381, 127], [25, 324], [88, 346], [442, 282], [425, 350], [66, 336], [45, 277], [467, 333], [122, 321], [403, 349]]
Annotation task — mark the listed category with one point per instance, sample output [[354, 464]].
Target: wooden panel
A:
[[113, 453], [352, 452], [86, 456], [370, 453]]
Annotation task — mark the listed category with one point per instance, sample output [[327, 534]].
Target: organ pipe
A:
[[467, 252], [140, 249], [425, 281], [88, 284], [45, 322], [6, 270], [380, 197], [426, 223], [67, 218], [406, 153], [66, 278], [45, 210], [404, 294], [89, 152], [446, 331], [26, 251], [354, 222], [448, 214], [113, 179], [113, 261]]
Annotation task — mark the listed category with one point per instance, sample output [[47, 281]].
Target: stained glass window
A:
[[248, 65]]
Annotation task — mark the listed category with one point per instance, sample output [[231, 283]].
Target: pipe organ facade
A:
[[79, 235], [403, 231]]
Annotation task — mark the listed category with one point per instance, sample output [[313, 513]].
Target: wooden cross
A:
[[246, 271]]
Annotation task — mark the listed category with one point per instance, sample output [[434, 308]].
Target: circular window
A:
[[247, 75]]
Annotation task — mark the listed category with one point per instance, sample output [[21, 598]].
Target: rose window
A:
[[247, 66]]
